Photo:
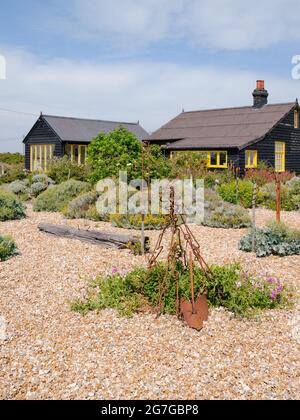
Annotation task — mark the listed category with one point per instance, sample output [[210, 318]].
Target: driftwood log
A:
[[106, 240]]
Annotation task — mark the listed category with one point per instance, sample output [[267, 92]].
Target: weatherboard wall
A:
[[285, 132], [41, 133]]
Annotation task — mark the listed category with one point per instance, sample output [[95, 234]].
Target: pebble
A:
[[53, 353]]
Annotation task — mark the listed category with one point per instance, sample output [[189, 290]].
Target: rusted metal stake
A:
[[254, 217], [192, 282], [177, 295], [278, 199]]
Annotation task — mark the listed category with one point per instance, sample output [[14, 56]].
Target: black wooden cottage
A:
[[242, 137], [59, 136]]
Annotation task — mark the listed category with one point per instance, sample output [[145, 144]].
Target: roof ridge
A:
[[237, 107], [89, 119], [214, 125]]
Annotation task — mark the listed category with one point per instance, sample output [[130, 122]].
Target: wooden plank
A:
[[104, 239]]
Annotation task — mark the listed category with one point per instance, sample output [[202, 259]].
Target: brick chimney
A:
[[260, 95]]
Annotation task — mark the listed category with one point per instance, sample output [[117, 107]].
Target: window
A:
[[251, 159], [296, 118], [280, 156], [40, 155], [77, 153], [214, 159], [217, 159]]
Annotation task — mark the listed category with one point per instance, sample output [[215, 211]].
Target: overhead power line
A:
[[18, 112]]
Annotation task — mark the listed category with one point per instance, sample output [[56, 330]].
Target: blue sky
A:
[[141, 59]]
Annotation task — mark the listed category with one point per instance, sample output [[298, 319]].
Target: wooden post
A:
[[237, 185], [254, 217], [143, 212], [278, 199]]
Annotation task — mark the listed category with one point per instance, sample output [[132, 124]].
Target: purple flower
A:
[[280, 289], [115, 270], [271, 280], [274, 294]]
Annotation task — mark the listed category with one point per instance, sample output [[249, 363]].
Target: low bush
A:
[[8, 248], [42, 179], [12, 173], [57, 197], [131, 221], [12, 158], [219, 214], [275, 239], [62, 170], [187, 164], [264, 174], [227, 216], [240, 192], [20, 188], [11, 208], [37, 188], [213, 179], [290, 195], [83, 207], [227, 286]]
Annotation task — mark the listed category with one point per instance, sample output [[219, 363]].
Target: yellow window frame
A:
[[208, 153], [40, 154], [296, 119], [218, 165], [80, 148], [249, 154], [280, 152]]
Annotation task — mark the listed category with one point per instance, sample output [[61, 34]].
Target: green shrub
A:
[[294, 185], [42, 179], [227, 216], [37, 188], [80, 207], [12, 173], [113, 152], [237, 193], [56, 198], [62, 170], [8, 248], [215, 178], [275, 239], [220, 214], [12, 158], [11, 208], [290, 195], [131, 221], [20, 188], [120, 150], [265, 174], [187, 164], [227, 286]]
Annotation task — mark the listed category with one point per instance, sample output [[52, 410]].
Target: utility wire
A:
[[18, 112]]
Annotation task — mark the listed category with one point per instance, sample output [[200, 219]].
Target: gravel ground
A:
[[51, 353]]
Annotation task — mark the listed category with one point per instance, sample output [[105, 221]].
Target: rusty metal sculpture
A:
[[183, 247]]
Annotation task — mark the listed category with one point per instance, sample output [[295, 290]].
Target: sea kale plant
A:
[[275, 239]]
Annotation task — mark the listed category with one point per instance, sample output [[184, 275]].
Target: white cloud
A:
[[150, 92], [224, 24]]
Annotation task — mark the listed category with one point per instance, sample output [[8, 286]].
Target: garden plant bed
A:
[[52, 352]]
